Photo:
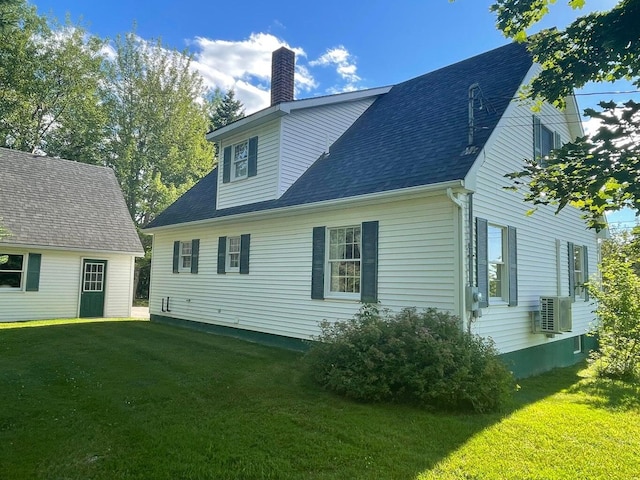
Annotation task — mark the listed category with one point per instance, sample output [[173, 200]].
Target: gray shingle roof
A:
[[59, 203], [413, 135]]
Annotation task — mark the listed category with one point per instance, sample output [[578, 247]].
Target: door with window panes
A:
[[94, 276]]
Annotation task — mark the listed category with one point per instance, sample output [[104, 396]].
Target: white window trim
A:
[[580, 346], [504, 298], [227, 261], [327, 267], [181, 268], [235, 177], [25, 259], [578, 286]]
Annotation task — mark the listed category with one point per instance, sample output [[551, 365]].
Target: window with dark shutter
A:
[[226, 165], [482, 263], [369, 269], [176, 256], [195, 254], [222, 254], [33, 272], [245, 241], [317, 263], [253, 157], [512, 248]]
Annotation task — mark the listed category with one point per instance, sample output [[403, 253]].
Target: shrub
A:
[[419, 357], [618, 327]]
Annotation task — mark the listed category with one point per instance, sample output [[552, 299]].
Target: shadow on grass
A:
[[156, 401], [609, 394]]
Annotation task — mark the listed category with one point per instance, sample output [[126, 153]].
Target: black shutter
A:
[[226, 165], [176, 256], [252, 168], [369, 260], [537, 138], [245, 240], [33, 272], [317, 263], [572, 271], [222, 254], [513, 266], [195, 254], [482, 261], [585, 254]]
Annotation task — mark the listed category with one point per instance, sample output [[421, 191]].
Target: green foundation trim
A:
[[272, 340], [541, 358]]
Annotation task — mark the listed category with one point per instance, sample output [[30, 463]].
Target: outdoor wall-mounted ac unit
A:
[[554, 315]]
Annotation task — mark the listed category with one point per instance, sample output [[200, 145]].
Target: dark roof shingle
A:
[[413, 135], [58, 203]]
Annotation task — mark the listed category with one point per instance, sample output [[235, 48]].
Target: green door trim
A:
[[93, 283]]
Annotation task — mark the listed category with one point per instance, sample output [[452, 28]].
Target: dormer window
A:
[[240, 160]]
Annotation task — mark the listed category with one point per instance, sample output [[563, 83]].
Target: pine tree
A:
[[225, 109]]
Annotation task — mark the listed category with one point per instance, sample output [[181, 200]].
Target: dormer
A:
[[263, 154]]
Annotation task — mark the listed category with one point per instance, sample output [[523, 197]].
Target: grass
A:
[[136, 400]]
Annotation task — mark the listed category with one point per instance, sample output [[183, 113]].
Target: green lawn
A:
[[136, 400]]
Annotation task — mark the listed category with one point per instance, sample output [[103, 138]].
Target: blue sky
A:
[[340, 45]]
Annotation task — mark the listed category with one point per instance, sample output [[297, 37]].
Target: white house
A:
[[72, 244], [392, 195]]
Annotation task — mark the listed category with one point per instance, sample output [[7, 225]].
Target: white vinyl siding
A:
[[307, 134], [542, 271], [263, 186], [416, 258], [58, 295]]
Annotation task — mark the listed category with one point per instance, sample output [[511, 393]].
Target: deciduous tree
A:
[[157, 123], [601, 173], [50, 76]]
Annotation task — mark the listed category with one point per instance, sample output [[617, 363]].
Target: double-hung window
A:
[[240, 165], [240, 160], [233, 254], [578, 271], [185, 256], [497, 263], [544, 140], [11, 270], [498, 278], [343, 260]]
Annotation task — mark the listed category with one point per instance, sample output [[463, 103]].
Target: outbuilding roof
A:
[[416, 134], [56, 203]]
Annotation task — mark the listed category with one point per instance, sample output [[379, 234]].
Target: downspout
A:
[[460, 255]]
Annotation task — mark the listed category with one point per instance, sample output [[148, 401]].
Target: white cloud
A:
[[344, 63], [245, 66]]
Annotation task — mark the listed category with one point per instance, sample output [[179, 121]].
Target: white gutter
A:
[[273, 212], [459, 258], [33, 246]]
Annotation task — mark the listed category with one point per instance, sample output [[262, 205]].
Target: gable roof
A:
[[51, 202], [414, 135]]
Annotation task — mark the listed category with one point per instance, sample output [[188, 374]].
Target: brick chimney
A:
[[282, 70]]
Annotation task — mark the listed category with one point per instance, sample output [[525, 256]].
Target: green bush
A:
[[418, 357], [618, 328]]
